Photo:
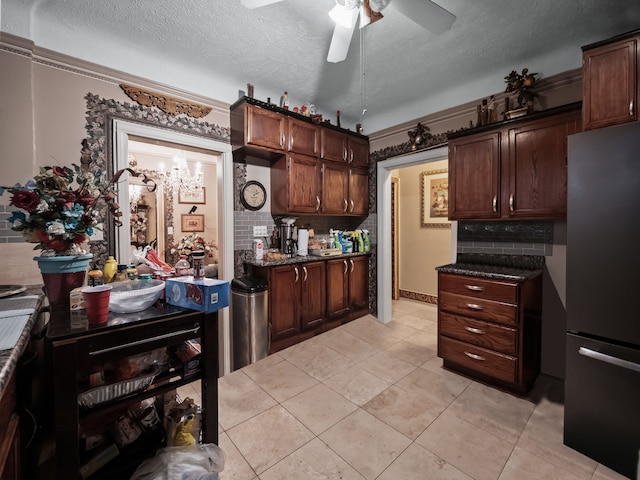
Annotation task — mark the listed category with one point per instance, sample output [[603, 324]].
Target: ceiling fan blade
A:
[[428, 15], [251, 4], [340, 43]]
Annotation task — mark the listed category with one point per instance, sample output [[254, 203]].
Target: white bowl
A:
[[134, 295]]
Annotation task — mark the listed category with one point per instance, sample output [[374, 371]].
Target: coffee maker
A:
[[288, 244]]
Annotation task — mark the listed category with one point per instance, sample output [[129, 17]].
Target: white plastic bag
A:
[[197, 462]]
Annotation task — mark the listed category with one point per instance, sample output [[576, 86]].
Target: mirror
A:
[[147, 214]]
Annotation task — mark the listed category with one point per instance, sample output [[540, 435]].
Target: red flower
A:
[[59, 171], [66, 198], [25, 199]]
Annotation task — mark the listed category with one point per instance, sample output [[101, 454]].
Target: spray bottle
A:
[[365, 240]]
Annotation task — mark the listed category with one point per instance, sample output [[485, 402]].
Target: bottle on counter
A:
[[285, 101], [110, 269], [121, 275], [95, 277], [182, 267]]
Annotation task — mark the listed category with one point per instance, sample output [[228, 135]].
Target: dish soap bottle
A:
[[110, 269]]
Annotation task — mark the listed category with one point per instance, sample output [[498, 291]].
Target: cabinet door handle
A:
[[474, 306], [495, 203], [282, 139], [346, 205], [352, 205], [344, 154], [295, 269], [352, 266], [351, 155], [631, 108], [477, 331], [474, 288], [511, 202], [317, 203], [304, 270], [346, 267], [194, 330], [474, 356]]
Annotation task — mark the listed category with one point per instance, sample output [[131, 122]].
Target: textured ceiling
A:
[[214, 48]]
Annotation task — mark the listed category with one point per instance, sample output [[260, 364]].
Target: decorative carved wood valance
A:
[[171, 105]]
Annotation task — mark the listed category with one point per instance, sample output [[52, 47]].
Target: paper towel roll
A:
[[303, 242]]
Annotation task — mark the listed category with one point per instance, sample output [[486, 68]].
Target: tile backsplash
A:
[[506, 237]]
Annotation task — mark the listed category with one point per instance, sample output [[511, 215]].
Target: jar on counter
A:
[[198, 263]]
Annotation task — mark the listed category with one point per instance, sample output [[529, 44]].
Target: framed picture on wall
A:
[[198, 197], [192, 223], [434, 208]]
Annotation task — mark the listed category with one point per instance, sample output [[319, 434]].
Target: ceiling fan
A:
[[345, 14]]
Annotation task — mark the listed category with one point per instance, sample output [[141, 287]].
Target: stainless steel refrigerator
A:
[[602, 383]]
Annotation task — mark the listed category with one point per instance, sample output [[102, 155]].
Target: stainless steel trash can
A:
[[250, 315]]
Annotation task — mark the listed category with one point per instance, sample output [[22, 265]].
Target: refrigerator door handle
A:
[[603, 357]]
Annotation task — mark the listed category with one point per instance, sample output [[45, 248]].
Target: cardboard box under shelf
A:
[[203, 294]]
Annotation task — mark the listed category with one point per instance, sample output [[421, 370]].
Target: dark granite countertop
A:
[[308, 258], [9, 358], [500, 267]]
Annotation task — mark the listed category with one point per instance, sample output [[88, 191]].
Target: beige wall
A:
[[421, 248], [42, 122]]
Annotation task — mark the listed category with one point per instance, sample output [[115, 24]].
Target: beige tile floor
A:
[[372, 401]]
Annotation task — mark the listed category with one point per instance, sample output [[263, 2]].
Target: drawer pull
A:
[[474, 288], [474, 306], [194, 330], [474, 356], [477, 331]]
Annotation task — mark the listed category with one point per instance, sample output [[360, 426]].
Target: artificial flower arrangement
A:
[[191, 242], [138, 222], [59, 207]]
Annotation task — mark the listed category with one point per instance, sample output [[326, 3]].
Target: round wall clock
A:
[[253, 195]]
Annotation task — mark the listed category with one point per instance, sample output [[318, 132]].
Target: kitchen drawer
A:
[[478, 308], [476, 287], [486, 362], [489, 335]]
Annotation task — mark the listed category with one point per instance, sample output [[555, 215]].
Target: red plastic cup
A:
[[96, 302]]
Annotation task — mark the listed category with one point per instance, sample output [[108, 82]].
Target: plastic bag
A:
[[198, 462]]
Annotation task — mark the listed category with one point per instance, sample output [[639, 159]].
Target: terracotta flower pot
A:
[[61, 274]]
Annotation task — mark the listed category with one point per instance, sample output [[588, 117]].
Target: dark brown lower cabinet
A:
[[9, 434], [489, 329], [308, 298]]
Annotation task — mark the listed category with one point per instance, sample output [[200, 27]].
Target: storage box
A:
[[203, 294]]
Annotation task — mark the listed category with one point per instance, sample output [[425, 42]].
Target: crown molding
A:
[[469, 109], [43, 56]]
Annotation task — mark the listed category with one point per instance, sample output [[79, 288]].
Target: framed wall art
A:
[[198, 197], [434, 209], [192, 223]]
